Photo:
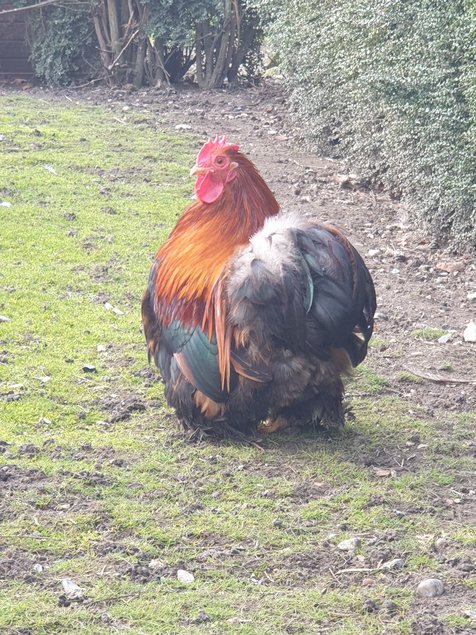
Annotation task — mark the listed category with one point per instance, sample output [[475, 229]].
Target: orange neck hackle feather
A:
[[194, 258], [206, 236]]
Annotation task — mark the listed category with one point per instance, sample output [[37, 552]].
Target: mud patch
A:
[[121, 406], [16, 477]]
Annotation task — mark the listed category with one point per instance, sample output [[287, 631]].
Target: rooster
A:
[[254, 317]]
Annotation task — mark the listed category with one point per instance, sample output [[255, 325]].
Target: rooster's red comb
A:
[[213, 144]]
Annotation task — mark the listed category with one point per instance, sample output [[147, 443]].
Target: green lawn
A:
[[97, 482]]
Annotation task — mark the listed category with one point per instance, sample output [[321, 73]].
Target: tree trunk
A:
[[205, 46], [138, 74], [119, 26], [226, 43], [104, 49], [209, 43], [214, 51], [155, 63], [139, 14], [114, 28], [199, 53], [240, 52]]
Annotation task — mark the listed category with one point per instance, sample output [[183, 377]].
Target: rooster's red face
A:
[[214, 168]]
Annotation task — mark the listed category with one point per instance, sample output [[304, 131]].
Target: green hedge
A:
[[390, 86]]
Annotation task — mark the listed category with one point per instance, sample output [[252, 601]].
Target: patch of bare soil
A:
[[14, 477], [121, 406]]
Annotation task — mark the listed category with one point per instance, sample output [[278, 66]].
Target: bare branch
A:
[[111, 66], [30, 6]]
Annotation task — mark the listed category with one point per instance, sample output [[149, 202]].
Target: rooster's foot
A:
[[273, 425]]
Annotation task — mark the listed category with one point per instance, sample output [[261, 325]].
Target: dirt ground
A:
[[420, 284]]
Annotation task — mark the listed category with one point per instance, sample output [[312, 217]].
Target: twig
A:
[[93, 81], [439, 378], [299, 164], [114, 62], [269, 578], [30, 6], [358, 570], [112, 598]]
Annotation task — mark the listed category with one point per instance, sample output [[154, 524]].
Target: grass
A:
[[408, 377], [96, 490], [428, 333]]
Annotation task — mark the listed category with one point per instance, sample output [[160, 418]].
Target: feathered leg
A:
[[323, 408]]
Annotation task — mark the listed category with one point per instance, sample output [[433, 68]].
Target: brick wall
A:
[[14, 52]]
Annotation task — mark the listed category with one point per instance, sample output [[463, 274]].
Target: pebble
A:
[[38, 568], [444, 339], [346, 181], [349, 545], [185, 577], [430, 588], [201, 617], [72, 590], [4, 318], [396, 563], [471, 296], [370, 606], [109, 307], [5, 204], [451, 267], [440, 544], [389, 606], [89, 368], [156, 564], [469, 334]]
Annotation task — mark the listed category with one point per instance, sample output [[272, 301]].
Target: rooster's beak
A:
[[197, 170]]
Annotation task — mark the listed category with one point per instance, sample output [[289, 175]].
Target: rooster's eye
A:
[[220, 161]]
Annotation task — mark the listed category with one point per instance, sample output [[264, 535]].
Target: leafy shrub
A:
[[390, 86], [146, 41], [62, 47]]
